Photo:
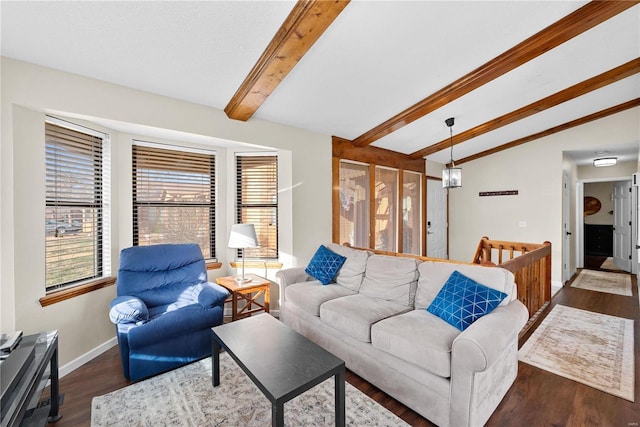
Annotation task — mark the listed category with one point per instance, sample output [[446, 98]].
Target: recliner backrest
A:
[[160, 274]]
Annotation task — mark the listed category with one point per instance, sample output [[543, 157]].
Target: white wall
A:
[[535, 170], [28, 92]]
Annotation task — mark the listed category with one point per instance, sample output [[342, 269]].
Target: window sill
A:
[[213, 265], [75, 291], [257, 264]]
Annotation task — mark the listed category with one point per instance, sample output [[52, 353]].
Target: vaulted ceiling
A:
[[379, 73]]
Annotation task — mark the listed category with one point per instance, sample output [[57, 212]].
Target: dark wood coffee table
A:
[[280, 361]]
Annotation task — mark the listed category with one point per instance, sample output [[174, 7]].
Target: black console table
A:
[[38, 364]]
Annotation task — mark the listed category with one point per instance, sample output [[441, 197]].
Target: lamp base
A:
[[242, 280]]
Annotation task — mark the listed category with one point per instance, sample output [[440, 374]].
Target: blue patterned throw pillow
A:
[[324, 265], [462, 301]]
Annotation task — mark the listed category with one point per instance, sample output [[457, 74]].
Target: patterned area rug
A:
[[609, 265], [185, 397], [591, 348], [602, 281]]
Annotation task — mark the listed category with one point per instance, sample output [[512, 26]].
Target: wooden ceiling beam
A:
[[305, 24], [586, 119], [344, 149], [581, 20], [621, 72]]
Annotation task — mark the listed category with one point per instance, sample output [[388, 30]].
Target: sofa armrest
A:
[[209, 294], [289, 276], [479, 346], [485, 357], [128, 309]]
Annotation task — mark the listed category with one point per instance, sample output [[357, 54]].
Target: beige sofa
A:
[[374, 318]]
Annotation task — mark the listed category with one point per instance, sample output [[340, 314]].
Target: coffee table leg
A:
[[215, 362], [277, 414], [340, 392]]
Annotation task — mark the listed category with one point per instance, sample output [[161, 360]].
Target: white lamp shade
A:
[[242, 236]]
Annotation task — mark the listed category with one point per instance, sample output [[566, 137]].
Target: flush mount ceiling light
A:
[[605, 161], [451, 175]]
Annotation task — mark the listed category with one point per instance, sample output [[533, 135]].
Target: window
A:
[[411, 212], [378, 206], [76, 221], [257, 201], [386, 197], [354, 204], [173, 196]]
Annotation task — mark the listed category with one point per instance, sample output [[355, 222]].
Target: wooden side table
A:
[[248, 292]]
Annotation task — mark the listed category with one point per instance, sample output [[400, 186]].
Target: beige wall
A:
[[535, 170], [621, 169], [29, 91]]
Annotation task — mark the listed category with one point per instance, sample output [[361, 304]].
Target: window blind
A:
[[257, 202], [174, 197], [74, 206]]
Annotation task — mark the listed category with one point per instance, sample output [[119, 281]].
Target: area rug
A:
[[608, 264], [602, 281], [185, 397], [591, 348]]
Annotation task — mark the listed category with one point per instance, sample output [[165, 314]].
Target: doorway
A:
[[607, 222], [437, 226]]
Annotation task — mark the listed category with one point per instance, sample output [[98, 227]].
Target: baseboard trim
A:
[[555, 287], [81, 360]]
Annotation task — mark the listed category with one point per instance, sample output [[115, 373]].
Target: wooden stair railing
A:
[[530, 264]]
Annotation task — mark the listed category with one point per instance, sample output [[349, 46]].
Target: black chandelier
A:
[[451, 175]]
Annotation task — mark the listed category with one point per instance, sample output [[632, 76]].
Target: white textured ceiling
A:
[[374, 61]]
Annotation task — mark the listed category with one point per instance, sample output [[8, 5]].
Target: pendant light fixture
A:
[[451, 175]]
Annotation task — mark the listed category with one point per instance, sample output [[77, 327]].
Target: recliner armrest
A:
[[128, 309], [209, 294]]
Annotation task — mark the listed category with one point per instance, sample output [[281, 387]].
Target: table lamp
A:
[[242, 236]]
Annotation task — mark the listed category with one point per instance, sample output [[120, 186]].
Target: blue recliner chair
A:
[[165, 308]]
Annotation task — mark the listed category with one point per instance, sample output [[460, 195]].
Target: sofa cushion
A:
[[417, 337], [324, 265], [354, 314], [391, 278], [462, 301], [433, 276], [308, 296], [352, 271]]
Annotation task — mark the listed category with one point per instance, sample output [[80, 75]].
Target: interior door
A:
[[622, 225], [436, 220], [566, 228]]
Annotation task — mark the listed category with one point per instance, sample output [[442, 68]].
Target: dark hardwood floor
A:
[[593, 262], [537, 398]]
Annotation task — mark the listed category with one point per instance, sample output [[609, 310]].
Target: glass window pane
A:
[[73, 212], [354, 204], [411, 212], [257, 202], [386, 196], [174, 224], [173, 197]]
